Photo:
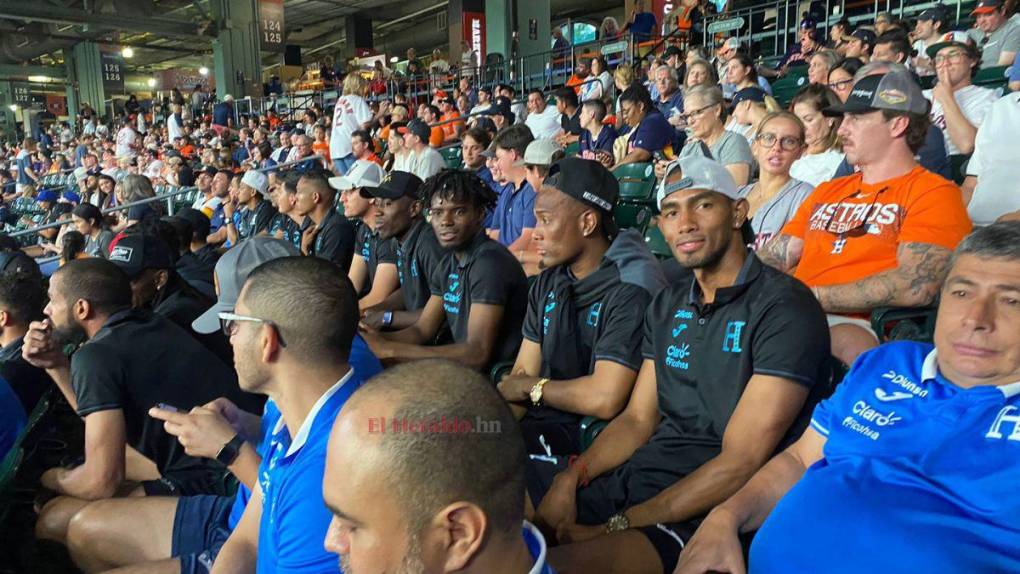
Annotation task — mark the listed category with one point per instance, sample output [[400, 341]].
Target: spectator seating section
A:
[[637, 195], [786, 87], [904, 323], [453, 157]]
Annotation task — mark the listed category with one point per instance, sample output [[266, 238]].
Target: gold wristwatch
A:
[[617, 522], [536, 392]]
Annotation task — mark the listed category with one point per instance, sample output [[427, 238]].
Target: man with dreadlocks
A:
[[582, 334], [479, 288]]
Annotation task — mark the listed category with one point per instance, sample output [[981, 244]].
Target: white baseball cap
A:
[[256, 180], [697, 172], [363, 173]]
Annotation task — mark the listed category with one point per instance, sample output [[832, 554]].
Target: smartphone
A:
[[166, 407]]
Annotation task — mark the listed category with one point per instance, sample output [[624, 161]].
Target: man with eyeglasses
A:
[[185, 534], [883, 236], [1001, 41], [958, 107], [126, 361]]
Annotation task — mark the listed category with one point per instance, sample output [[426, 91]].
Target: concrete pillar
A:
[[498, 28], [534, 33], [85, 73], [236, 56], [8, 128]]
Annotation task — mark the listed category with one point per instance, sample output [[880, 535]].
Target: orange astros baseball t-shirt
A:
[[851, 230]]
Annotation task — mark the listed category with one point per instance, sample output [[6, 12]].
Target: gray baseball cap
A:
[[895, 91], [541, 152], [697, 172], [232, 271]]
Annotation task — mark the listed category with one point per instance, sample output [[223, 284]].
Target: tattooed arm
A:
[[913, 283], [782, 252]]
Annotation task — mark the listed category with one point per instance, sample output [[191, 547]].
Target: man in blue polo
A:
[[911, 465], [292, 329]]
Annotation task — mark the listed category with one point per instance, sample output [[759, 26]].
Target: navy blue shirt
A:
[[604, 141], [653, 134], [12, 418], [222, 113], [515, 212], [908, 453], [486, 175], [644, 23], [674, 102]]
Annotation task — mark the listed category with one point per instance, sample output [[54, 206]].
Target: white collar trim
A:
[[539, 565], [306, 427], [930, 369]]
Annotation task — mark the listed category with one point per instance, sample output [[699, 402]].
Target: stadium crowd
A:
[[558, 394]]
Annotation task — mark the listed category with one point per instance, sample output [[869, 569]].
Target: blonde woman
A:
[[350, 115], [775, 197], [823, 154], [623, 77], [700, 73]]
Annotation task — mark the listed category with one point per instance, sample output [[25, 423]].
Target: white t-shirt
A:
[[427, 163], [545, 124], [816, 168], [350, 113], [994, 163], [173, 127], [974, 101], [403, 162], [126, 138]]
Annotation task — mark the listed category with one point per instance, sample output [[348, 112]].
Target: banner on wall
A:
[[56, 104], [271, 25], [184, 79], [112, 68], [474, 33]]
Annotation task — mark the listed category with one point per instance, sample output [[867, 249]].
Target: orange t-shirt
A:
[[437, 137], [852, 230], [450, 129], [321, 149], [575, 82]]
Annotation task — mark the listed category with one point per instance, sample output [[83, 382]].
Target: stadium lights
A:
[[204, 71], [394, 60], [151, 82], [127, 52], [39, 79]]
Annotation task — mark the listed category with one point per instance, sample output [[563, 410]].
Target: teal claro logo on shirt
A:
[[679, 351], [452, 297]]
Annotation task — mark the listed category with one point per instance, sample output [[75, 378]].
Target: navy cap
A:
[[752, 94], [866, 36]]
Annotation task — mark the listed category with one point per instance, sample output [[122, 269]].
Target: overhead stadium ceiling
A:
[[179, 33]]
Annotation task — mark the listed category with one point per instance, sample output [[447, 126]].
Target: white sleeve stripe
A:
[[818, 427]]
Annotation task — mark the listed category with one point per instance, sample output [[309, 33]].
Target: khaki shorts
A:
[[834, 320]]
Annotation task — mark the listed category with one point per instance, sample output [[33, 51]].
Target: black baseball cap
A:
[[590, 183], [895, 91], [671, 51], [936, 14], [210, 170], [198, 220], [395, 185], [137, 252], [417, 127], [866, 36]]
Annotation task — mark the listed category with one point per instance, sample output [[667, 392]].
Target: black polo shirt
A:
[[572, 124], [138, 360], [374, 251], [198, 273], [606, 326], [486, 274], [767, 323], [418, 256], [335, 240], [287, 227], [182, 304], [251, 222]]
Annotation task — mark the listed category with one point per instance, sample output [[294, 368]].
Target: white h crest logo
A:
[[1005, 417], [837, 246]]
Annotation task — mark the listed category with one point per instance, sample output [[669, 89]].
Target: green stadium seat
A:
[[572, 149], [657, 243], [590, 429], [630, 215], [453, 158], [992, 77], [637, 182], [785, 88], [904, 324]]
